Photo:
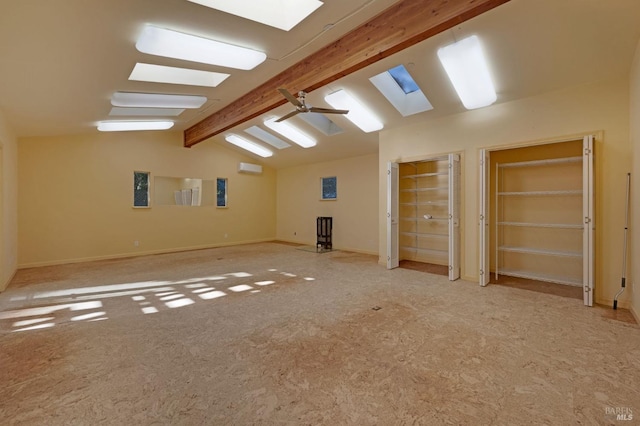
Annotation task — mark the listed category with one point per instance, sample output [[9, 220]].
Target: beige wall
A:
[[597, 107], [76, 194], [355, 215], [8, 203], [634, 226]]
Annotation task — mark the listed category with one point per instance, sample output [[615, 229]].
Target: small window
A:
[[141, 189], [329, 188], [404, 80], [221, 192]]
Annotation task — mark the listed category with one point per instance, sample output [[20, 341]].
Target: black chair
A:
[[324, 226]]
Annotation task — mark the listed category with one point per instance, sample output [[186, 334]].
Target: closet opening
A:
[[424, 221], [537, 219]]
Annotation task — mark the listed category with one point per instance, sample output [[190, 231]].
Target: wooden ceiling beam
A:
[[397, 28]]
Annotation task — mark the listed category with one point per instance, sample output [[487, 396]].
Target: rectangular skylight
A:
[[282, 14], [322, 123], [156, 100], [177, 45], [290, 132], [468, 71], [173, 75], [249, 146], [406, 103], [123, 126], [140, 112], [404, 79], [358, 113], [267, 137]]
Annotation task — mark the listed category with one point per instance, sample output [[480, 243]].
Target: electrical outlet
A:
[[226, 235], [136, 243], [295, 233]]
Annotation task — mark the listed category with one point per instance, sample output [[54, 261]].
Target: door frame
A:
[[588, 183]]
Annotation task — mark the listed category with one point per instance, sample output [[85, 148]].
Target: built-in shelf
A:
[[424, 234], [425, 175], [426, 251], [550, 161], [526, 242], [543, 225], [541, 193], [540, 277], [436, 188], [544, 252], [427, 203]]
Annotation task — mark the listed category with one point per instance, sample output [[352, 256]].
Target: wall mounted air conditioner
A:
[[249, 168]]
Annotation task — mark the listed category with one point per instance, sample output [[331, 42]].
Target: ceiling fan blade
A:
[[290, 97], [329, 111], [291, 114]]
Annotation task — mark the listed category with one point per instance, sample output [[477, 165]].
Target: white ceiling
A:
[[60, 61]]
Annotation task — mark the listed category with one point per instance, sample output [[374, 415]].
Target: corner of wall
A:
[[8, 203], [634, 133]]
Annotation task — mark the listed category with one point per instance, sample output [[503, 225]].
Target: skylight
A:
[[404, 80], [290, 132], [173, 44], [248, 145], [358, 113], [468, 71], [156, 100], [267, 137], [282, 14], [322, 123], [406, 100], [173, 75], [123, 126]]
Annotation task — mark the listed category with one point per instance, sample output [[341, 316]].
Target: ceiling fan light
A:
[[177, 45], [290, 132], [467, 68], [248, 145], [156, 100], [358, 113], [123, 126]]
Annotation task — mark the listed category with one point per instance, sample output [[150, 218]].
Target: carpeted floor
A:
[[266, 334]]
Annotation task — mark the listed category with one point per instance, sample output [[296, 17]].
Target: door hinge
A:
[[587, 220], [481, 272], [587, 151]]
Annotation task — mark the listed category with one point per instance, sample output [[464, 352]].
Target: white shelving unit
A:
[[428, 204], [538, 207]]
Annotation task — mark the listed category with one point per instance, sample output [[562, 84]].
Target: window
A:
[[329, 188], [141, 189], [221, 192]]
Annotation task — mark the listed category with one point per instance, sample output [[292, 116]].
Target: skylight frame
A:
[[291, 132], [281, 14], [468, 70], [247, 145], [358, 114], [177, 45], [174, 75], [406, 103]]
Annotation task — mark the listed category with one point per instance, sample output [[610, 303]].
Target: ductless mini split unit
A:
[[249, 168]]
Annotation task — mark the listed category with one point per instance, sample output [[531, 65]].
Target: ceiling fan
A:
[[301, 106]]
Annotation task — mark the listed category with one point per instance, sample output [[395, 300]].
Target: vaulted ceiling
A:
[[60, 62]]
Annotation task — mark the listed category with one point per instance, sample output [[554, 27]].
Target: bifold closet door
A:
[[483, 232], [393, 251], [589, 220], [454, 217]]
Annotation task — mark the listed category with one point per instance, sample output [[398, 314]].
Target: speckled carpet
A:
[[266, 334]]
